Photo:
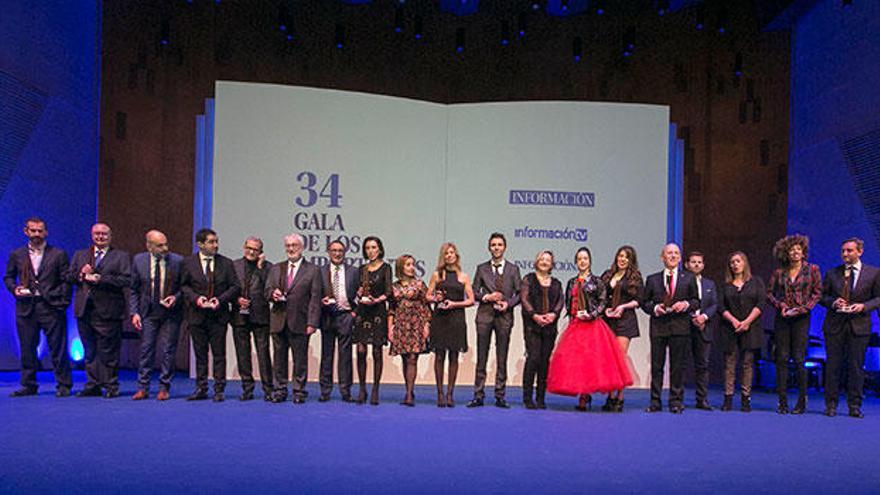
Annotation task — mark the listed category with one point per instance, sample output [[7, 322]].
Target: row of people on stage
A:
[[371, 306]]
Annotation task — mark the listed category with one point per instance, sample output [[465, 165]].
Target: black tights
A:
[[410, 370], [362, 371], [439, 361]]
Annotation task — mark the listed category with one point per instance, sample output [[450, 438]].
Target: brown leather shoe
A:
[[163, 395], [140, 395]]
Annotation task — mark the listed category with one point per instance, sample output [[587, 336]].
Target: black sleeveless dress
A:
[[448, 326]]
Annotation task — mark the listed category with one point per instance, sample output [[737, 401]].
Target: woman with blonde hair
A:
[[542, 302], [409, 320], [450, 291]]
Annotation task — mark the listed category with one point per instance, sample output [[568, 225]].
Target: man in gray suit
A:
[[496, 287], [340, 285], [155, 308], [250, 316], [294, 287]]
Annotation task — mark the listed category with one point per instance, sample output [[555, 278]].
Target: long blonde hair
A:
[[747, 269], [441, 260]]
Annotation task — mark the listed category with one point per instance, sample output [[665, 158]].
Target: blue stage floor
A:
[[94, 445]]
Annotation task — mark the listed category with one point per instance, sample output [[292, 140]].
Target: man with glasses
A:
[[250, 316]]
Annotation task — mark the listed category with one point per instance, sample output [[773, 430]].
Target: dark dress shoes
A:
[[89, 392], [24, 392], [704, 405], [111, 394], [856, 412], [653, 408], [347, 398], [475, 403], [676, 409], [198, 395], [324, 398], [246, 396], [218, 397], [278, 399], [500, 402], [62, 392], [298, 399], [529, 404], [831, 410]]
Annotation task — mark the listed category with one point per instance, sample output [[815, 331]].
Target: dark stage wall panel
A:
[[835, 156], [49, 90]]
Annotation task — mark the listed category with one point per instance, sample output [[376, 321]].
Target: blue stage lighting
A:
[[76, 350]]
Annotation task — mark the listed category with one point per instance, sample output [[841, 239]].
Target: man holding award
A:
[[250, 316], [496, 287], [670, 296], [850, 292], [35, 276]]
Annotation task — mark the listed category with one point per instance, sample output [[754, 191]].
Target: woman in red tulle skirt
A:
[[588, 358]]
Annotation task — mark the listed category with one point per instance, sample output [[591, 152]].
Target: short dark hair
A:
[[378, 243], [34, 220], [498, 235], [860, 244], [696, 253], [202, 235], [337, 241]]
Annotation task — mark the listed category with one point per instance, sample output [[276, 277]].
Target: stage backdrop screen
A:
[[342, 165]]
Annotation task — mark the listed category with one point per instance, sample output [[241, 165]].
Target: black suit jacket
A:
[[140, 300], [259, 308], [194, 284], [708, 307], [51, 280], [484, 284], [108, 295], [303, 305], [352, 283], [867, 292], [655, 293]]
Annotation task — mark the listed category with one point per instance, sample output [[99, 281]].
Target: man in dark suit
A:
[[294, 287], [101, 274], [250, 316], [35, 275], [850, 292], [703, 322], [339, 284], [209, 285], [496, 287], [156, 309], [669, 297]]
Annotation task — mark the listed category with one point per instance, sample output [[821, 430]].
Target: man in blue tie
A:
[[100, 274]]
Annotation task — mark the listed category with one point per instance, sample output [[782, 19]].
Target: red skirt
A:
[[587, 359]]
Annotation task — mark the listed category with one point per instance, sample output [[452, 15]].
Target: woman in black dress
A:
[[371, 315], [450, 290], [542, 302], [625, 287], [740, 306]]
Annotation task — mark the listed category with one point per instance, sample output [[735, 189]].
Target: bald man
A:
[[669, 298], [155, 309], [100, 274]]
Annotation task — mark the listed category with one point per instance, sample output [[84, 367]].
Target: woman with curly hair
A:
[[794, 289], [624, 283]]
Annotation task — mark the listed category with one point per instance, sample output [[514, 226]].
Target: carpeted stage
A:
[[94, 445]]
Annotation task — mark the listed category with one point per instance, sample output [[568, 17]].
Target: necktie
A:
[[99, 255], [209, 274], [670, 289], [498, 277], [157, 278], [335, 283], [848, 284], [290, 268]]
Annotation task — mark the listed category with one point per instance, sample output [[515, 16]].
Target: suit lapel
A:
[[863, 275], [296, 276]]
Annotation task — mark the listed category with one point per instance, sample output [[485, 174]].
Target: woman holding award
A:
[[450, 290], [409, 320], [740, 306], [371, 318], [542, 302], [588, 358], [794, 289], [624, 285]]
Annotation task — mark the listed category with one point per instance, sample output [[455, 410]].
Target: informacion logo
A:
[[564, 233], [552, 198]]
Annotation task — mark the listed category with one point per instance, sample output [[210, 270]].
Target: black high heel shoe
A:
[[585, 403]]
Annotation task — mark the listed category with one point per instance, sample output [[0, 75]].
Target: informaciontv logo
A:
[[552, 198], [565, 233]]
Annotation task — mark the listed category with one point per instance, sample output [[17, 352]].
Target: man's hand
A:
[[136, 322], [168, 301]]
